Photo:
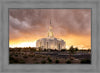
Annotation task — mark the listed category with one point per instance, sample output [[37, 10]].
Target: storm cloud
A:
[[65, 21], [35, 22]]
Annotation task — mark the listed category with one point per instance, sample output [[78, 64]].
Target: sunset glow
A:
[[78, 41], [26, 26], [23, 44]]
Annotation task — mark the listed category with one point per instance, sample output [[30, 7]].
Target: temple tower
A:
[[50, 31]]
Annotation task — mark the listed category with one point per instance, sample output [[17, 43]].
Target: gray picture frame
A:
[[5, 67]]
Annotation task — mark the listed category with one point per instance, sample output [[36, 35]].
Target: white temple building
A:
[[51, 42]]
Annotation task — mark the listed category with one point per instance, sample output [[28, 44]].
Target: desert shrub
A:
[[16, 55], [57, 61], [34, 59], [68, 62], [43, 56], [22, 61], [22, 54], [63, 50], [43, 61], [13, 60], [85, 61], [49, 60], [38, 56], [36, 63], [31, 56], [45, 49], [25, 57]]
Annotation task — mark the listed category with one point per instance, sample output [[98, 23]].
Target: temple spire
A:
[[50, 32]]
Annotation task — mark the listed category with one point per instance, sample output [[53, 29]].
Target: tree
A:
[[43, 61], [63, 50], [71, 51], [68, 62], [45, 49], [85, 61], [57, 61], [49, 60], [32, 49], [76, 49]]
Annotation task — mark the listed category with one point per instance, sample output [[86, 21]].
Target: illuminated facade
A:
[[51, 42]]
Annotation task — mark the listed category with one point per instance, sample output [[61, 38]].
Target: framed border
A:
[[4, 64]]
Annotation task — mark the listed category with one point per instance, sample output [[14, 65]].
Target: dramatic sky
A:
[[28, 25]]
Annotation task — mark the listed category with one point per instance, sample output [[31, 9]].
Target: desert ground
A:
[[48, 56]]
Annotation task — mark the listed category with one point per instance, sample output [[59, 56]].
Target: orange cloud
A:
[[28, 25]]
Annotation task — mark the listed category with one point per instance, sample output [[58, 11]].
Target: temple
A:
[[51, 42]]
